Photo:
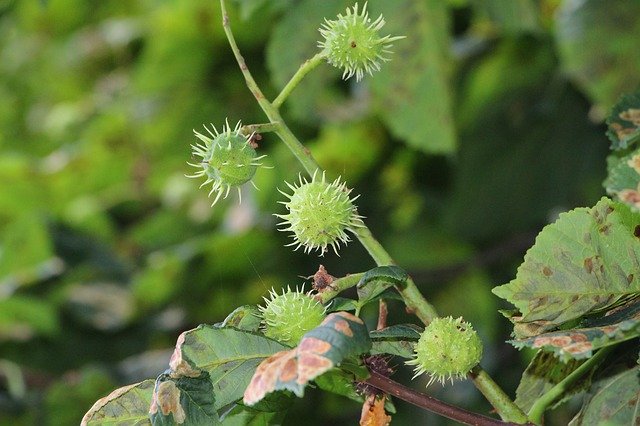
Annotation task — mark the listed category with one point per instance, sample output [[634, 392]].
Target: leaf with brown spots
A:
[[614, 399], [624, 122], [128, 405], [579, 343], [340, 336], [587, 262], [623, 177], [377, 280], [228, 355], [183, 401], [543, 373]]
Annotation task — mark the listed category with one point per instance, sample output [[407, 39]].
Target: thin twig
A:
[[429, 403]]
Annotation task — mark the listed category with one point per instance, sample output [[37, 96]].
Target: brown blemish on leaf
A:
[[343, 327], [179, 367], [630, 196], [539, 342], [605, 229], [547, 271], [588, 265], [560, 341], [609, 329], [578, 337], [574, 298], [629, 278], [621, 131], [266, 376], [311, 366], [587, 238], [167, 399], [578, 348], [634, 163], [636, 231], [289, 370], [632, 115], [312, 344], [345, 315]]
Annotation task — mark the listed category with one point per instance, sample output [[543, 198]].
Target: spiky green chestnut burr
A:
[[448, 349], [227, 159], [320, 214], [352, 42], [288, 316]]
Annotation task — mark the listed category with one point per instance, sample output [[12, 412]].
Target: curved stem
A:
[[429, 403], [539, 407], [506, 408], [304, 69], [413, 299]]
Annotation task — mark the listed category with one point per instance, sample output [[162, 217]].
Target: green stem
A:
[[539, 407], [413, 299], [248, 129], [338, 286], [507, 409], [304, 69]]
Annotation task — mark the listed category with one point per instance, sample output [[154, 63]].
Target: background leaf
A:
[[624, 122], [418, 107]]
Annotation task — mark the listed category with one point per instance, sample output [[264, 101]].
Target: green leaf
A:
[[377, 280], [598, 47], [624, 122], [411, 92], [398, 340], [183, 400], [544, 372], [341, 304], [230, 357], [585, 262], [612, 400], [339, 382], [579, 343], [246, 317], [126, 406], [241, 415], [340, 336]]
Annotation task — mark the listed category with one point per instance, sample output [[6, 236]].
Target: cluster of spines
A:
[[216, 154], [320, 214], [352, 42]]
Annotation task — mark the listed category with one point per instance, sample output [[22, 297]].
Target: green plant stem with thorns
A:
[[413, 299]]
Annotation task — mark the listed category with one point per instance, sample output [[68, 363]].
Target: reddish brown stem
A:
[[382, 315], [431, 404]]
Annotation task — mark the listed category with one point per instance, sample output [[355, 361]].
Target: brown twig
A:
[[429, 403]]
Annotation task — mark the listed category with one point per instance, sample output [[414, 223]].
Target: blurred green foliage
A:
[[484, 126]]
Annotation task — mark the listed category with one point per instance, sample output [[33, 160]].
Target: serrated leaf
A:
[[183, 400], [126, 406], [597, 46], [341, 304], [624, 122], [412, 92], [398, 340], [579, 343], [612, 400], [585, 262], [377, 280], [246, 317], [229, 356], [543, 372], [340, 336]]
